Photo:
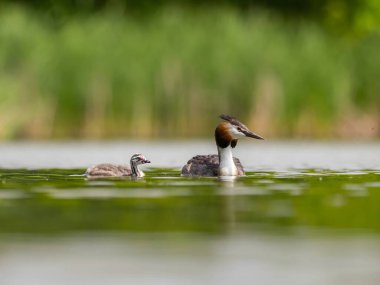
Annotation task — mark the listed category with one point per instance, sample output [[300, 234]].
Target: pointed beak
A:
[[145, 161], [252, 135]]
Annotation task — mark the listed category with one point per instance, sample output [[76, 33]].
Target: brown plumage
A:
[[109, 170], [207, 165], [223, 135]]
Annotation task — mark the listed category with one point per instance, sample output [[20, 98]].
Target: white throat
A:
[[136, 171], [227, 165]]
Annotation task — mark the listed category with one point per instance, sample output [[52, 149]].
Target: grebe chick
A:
[[227, 134], [112, 170]]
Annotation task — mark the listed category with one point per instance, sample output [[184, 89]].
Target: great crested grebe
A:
[[112, 170], [227, 134]]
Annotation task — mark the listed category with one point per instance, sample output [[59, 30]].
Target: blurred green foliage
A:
[[170, 73], [353, 16]]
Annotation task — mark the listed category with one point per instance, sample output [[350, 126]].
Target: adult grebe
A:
[[112, 170], [227, 134]]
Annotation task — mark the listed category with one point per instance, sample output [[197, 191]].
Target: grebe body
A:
[[113, 170], [208, 165]]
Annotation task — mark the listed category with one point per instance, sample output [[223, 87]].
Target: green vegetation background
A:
[[155, 69]]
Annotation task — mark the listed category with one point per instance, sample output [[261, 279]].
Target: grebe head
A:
[[230, 130], [138, 158]]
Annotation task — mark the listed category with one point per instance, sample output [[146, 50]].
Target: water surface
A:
[[306, 213]]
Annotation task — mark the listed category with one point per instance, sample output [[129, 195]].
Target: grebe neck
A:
[[225, 142], [227, 165], [135, 171]]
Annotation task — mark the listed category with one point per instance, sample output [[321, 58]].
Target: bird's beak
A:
[[145, 161], [250, 134]]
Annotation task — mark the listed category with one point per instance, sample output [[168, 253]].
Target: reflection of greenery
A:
[[51, 201], [107, 75]]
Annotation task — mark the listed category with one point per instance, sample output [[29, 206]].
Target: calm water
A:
[[306, 213]]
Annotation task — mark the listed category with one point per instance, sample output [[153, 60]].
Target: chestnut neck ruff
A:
[[223, 138]]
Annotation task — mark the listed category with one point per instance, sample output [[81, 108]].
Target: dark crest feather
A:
[[230, 119], [241, 127], [233, 121], [234, 143]]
